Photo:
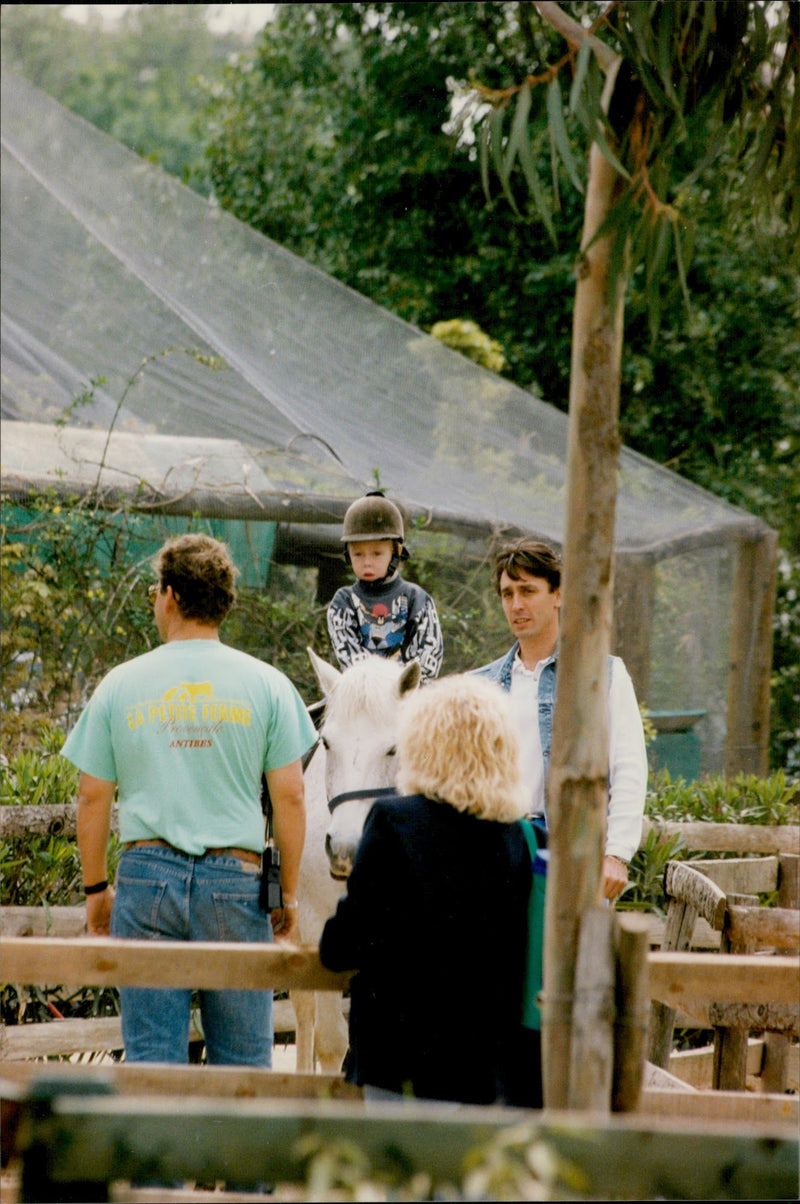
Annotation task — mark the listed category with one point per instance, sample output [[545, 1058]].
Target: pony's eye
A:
[[390, 752], [325, 743]]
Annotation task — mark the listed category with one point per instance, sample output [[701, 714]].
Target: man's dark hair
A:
[[529, 556], [201, 573]]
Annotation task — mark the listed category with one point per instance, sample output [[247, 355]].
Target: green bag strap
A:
[[530, 837]]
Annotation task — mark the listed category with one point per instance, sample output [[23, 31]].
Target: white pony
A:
[[354, 763]]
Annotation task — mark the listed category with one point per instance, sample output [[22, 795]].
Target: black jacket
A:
[[434, 921]]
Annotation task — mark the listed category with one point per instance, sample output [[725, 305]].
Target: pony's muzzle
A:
[[339, 865]]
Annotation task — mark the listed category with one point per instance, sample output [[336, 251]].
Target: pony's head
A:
[[358, 732]]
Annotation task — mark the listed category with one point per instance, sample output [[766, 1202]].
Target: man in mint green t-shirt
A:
[[184, 734]]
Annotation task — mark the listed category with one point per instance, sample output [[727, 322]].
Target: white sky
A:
[[224, 18]]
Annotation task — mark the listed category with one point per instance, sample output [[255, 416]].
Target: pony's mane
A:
[[364, 689]]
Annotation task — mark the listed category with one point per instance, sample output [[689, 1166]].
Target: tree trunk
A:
[[577, 780]]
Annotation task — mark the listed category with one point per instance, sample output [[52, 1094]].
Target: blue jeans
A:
[[166, 895]]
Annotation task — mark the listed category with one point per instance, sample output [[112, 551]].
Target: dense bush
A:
[[745, 799]]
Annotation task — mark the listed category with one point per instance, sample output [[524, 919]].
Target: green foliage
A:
[[33, 1004], [331, 135], [645, 889], [41, 871], [514, 1164], [314, 139], [744, 799], [72, 602], [137, 80], [690, 85], [785, 697], [467, 338], [45, 871]]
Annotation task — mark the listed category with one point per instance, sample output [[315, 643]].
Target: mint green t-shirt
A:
[[186, 731]]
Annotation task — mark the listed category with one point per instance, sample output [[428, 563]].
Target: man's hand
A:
[[98, 912], [613, 878], [285, 924]]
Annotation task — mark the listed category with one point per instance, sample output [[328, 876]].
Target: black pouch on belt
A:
[[270, 895]]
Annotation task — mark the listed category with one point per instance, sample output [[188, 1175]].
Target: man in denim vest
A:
[[527, 576]]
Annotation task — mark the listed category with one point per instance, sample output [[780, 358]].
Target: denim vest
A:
[[500, 671]]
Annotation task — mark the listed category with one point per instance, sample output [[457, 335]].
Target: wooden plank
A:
[[707, 837], [778, 927], [694, 1065], [777, 1017], [56, 1037], [47, 819], [698, 837], [676, 978], [105, 1138], [71, 921], [744, 1107], [703, 937], [592, 1045], [103, 961], [681, 917], [42, 921], [730, 1040], [218, 1082], [632, 1006], [685, 884], [742, 875], [44, 819]]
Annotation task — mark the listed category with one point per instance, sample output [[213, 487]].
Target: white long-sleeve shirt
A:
[[627, 756]]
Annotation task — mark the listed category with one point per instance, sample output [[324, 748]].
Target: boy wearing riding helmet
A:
[[381, 613]]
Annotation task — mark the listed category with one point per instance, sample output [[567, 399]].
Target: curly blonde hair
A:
[[457, 743]]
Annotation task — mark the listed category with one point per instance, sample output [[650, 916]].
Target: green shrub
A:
[[745, 799], [42, 870], [45, 871]]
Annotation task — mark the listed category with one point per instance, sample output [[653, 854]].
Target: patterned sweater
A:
[[387, 618]]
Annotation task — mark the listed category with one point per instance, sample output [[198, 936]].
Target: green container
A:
[[532, 985], [677, 745]]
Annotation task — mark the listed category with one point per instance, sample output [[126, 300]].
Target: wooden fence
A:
[[41, 946]]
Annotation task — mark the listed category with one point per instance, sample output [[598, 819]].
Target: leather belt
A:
[[243, 854]]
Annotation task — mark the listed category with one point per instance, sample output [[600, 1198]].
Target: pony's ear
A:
[[409, 678], [326, 674]]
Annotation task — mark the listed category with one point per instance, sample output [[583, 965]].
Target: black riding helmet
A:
[[375, 517]]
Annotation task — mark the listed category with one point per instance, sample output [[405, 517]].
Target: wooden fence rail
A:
[[93, 1141], [104, 961], [59, 819], [707, 837]]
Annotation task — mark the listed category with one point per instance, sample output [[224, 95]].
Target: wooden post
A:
[[775, 1067], [730, 1044], [754, 584], [577, 779], [690, 893], [678, 931], [592, 1046], [634, 605], [633, 1007]]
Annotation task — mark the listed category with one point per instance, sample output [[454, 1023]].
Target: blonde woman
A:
[[434, 919]]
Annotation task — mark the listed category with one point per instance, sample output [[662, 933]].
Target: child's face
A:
[[370, 559]]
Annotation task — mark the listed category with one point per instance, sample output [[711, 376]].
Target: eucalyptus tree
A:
[[655, 92]]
